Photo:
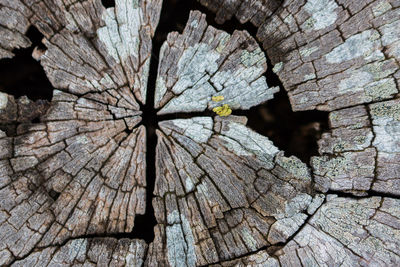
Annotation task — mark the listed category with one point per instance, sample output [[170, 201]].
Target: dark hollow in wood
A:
[[23, 75]]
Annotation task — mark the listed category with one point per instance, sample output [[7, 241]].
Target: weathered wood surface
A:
[[223, 191], [224, 195], [98, 61], [210, 63], [329, 54], [343, 232], [89, 252], [21, 110], [254, 11]]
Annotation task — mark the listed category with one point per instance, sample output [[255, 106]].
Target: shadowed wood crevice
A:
[[23, 75], [144, 224], [296, 133], [363, 194], [108, 3]]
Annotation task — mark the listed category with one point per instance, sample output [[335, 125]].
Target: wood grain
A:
[[73, 182]]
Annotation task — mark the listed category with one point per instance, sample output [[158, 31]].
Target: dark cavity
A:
[[23, 75]]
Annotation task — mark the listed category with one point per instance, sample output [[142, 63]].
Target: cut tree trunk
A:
[[73, 184]]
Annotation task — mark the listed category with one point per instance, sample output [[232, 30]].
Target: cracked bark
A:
[[72, 184]]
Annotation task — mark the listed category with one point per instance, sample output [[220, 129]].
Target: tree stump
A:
[[74, 183]]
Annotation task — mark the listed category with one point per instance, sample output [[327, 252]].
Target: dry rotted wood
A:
[[224, 195], [329, 54], [210, 63]]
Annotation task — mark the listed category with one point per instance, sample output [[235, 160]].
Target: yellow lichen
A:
[[217, 98], [223, 111]]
